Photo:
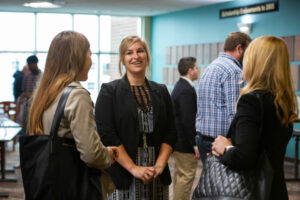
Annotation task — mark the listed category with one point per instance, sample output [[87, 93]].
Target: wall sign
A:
[[255, 8]]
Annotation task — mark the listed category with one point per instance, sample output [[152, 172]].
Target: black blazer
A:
[[248, 143], [185, 107], [117, 123]]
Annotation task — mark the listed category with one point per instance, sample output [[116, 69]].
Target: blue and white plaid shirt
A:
[[219, 89]]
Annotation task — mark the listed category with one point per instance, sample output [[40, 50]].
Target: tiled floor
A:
[[16, 192]]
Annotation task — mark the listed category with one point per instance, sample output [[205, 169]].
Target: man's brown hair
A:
[[234, 39]]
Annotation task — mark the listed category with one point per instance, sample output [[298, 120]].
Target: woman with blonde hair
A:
[[68, 62], [136, 115], [266, 68]]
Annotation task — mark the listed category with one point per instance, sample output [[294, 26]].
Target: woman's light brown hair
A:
[[64, 63], [266, 66]]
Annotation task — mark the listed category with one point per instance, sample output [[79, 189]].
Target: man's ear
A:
[[239, 49], [190, 70]]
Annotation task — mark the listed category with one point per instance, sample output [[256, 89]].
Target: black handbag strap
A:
[[58, 115]]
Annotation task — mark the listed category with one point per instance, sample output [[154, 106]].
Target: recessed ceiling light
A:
[[43, 4]]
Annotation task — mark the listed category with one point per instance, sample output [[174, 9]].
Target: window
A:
[[10, 62], [25, 34], [49, 25], [112, 31], [118, 27], [17, 31], [87, 25], [109, 68], [93, 78]]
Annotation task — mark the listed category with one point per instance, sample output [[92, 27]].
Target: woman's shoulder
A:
[[263, 94], [255, 100], [157, 86], [114, 84], [78, 89]]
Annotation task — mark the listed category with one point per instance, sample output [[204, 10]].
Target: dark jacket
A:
[[117, 123], [249, 143], [185, 107], [17, 85]]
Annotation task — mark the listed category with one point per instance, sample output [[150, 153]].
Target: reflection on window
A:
[[48, 26], [86, 24], [17, 31]]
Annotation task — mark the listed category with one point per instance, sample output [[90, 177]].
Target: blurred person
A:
[[30, 80], [266, 68], [219, 88], [185, 153], [68, 62], [136, 115], [28, 86], [17, 85]]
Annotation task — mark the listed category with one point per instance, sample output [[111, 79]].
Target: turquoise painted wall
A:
[[202, 25]]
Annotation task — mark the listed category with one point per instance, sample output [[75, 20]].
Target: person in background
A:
[[219, 88], [68, 62], [31, 79], [136, 115], [17, 85], [185, 107], [28, 86], [266, 68]]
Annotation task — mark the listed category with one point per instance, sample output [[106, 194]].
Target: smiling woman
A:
[[136, 115], [135, 56], [135, 59]]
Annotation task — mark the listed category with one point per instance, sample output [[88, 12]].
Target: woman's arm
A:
[[162, 159], [169, 136], [105, 119], [79, 112], [144, 173], [247, 136]]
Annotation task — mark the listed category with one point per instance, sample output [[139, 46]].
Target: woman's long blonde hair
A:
[[266, 66], [65, 61]]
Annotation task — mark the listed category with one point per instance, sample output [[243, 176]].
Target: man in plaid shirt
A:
[[218, 92]]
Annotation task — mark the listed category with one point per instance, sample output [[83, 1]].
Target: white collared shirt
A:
[[188, 80]]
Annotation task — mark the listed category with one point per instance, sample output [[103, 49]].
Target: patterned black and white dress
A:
[[154, 190]]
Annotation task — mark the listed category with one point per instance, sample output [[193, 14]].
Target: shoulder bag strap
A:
[[58, 115]]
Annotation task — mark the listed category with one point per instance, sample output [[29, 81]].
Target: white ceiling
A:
[[112, 7]]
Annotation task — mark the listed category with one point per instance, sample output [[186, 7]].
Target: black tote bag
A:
[[51, 166]]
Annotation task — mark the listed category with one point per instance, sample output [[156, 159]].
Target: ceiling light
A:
[[244, 27], [44, 4]]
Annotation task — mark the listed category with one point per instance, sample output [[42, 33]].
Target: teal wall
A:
[[202, 25]]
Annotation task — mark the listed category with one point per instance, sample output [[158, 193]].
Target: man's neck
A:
[[188, 77], [232, 53], [188, 80]]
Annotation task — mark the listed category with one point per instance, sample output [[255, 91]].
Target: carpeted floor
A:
[[16, 191]]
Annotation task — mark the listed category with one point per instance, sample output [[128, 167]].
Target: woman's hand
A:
[[220, 144], [158, 170], [146, 174], [113, 153]]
